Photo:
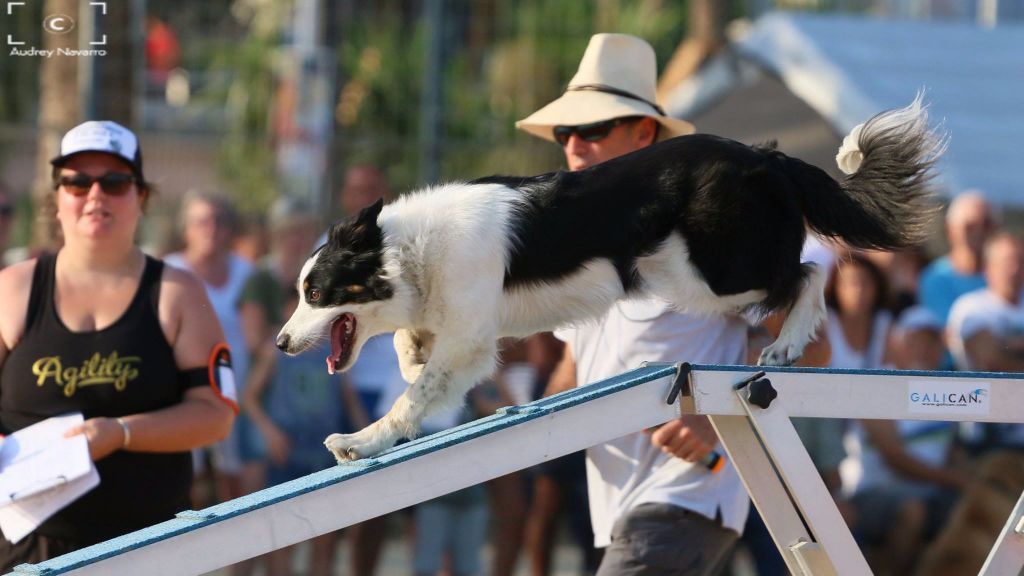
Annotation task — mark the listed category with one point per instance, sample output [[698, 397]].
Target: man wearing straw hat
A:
[[655, 508]]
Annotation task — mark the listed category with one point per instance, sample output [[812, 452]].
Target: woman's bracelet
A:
[[127, 433]]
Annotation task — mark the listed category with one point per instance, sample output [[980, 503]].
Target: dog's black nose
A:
[[282, 342]]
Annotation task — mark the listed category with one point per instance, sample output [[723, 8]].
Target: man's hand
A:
[[689, 437]]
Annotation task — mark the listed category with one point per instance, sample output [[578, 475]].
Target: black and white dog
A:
[[711, 225]]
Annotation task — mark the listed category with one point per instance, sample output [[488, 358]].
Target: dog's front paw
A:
[[780, 354], [363, 444]]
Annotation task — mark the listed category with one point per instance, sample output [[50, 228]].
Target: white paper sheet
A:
[[42, 472]]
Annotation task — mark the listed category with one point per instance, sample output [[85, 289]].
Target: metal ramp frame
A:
[[761, 442]]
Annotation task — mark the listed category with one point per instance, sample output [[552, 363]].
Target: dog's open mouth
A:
[[343, 336]]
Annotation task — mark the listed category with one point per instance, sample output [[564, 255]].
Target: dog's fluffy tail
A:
[[884, 202]]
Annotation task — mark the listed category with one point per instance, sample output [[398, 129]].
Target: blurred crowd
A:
[[911, 491]]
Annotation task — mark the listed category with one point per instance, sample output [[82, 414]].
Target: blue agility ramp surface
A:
[[516, 437], [191, 521]]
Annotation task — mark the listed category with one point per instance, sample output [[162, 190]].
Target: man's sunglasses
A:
[[112, 183], [593, 132]]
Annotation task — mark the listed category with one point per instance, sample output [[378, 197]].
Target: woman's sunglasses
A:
[[112, 183], [594, 132]]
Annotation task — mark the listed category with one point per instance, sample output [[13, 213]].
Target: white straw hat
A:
[[617, 77]]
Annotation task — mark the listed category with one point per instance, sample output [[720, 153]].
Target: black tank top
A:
[[125, 368]]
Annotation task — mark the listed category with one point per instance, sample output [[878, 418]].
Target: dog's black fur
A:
[[740, 208], [349, 271]]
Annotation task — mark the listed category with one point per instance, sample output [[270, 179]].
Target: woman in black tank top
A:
[[101, 329]]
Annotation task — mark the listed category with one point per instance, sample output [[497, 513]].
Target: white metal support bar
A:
[[807, 489], [879, 394], [766, 490]]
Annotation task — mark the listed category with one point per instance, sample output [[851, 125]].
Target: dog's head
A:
[[342, 288]]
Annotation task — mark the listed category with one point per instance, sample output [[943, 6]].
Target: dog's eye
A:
[[314, 295]]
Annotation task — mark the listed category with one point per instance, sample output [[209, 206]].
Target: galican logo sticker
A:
[[113, 370], [924, 397]]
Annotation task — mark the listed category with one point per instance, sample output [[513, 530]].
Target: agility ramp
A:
[[741, 401]]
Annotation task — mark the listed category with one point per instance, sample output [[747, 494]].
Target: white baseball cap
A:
[[101, 136]]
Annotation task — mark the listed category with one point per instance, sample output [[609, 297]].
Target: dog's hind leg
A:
[[453, 368], [413, 348], [807, 313]]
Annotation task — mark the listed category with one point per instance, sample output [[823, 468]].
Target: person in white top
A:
[[208, 222], [858, 323], [898, 474], [655, 509], [986, 327]]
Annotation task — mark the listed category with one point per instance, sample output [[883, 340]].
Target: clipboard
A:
[[22, 516], [40, 456], [41, 472]]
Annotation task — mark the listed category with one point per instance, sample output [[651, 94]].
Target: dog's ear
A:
[[354, 231], [366, 222], [369, 214]]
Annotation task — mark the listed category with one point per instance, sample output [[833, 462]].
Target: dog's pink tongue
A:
[[337, 342]]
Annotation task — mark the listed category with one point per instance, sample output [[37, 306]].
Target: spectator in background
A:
[[363, 185], [986, 326], [295, 404], [292, 231], [252, 243], [902, 272], [377, 367], [450, 531], [209, 222], [163, 52], [969, 222], [898, 474], [512, 384], [858, 330], [100, 297], [858, 322], [263, 307], [6, 222]]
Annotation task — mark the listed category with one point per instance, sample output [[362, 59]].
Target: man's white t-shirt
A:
[[977, 311], [630, 471]]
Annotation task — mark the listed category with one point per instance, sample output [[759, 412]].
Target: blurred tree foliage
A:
[[246, 157], [502, 61]]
